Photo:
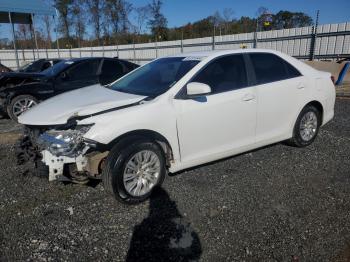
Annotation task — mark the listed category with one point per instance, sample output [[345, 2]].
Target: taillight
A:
[[333, 79]]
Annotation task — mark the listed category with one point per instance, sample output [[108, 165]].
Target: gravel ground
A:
[[278, 203]]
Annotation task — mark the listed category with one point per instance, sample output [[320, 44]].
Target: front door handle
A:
[[248, 97], [301, 86]]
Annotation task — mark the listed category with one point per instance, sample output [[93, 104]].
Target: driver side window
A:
[[224, 74]]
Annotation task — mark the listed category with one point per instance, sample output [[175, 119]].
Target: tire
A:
[[124, 155], [3, 114], [27, 101], [303, 138]]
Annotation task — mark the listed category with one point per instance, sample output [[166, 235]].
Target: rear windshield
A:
[[57, 68]]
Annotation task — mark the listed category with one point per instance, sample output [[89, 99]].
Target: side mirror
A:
[[197, 89]]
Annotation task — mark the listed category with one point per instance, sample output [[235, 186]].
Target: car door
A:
[[80, 74], [281, 90], [223, 122], [111, 70]]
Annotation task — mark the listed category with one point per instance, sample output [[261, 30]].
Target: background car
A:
[[38, 65], [31, 88], [4, 69], [13, 78]]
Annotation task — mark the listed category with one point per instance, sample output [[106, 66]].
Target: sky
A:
[[180, 12]]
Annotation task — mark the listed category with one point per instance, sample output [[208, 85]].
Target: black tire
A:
[[297, 140], [3, 114], [10, 107], [121, 153]]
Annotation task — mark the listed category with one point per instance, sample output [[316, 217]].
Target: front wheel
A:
[[20, 104], [133, 170], [306, 127]]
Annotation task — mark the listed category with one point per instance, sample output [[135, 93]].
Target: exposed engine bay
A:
[[64, 152]]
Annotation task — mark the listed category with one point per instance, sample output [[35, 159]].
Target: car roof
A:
[[215, 53], [208, 55], [91, 58]]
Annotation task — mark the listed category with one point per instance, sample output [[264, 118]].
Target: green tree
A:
[[286, 19]]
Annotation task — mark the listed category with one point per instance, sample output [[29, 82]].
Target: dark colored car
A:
[[31, 88], [32, 67], [4, 69], [38, 65]]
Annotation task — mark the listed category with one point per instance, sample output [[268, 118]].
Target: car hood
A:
[[27, 77], [80, 102], [23, 75]]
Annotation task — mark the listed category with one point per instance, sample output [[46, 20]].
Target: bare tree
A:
[[112, 15], [142, 15], [23, 31], [95, 8], [64, 8], [116, 17], [227, 17], [228, 14], [78, 10], [217, 21], [261, 10], [158, 22], [125, 10], [47, 24]]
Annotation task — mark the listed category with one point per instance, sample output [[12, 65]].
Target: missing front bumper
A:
[[90, 164]]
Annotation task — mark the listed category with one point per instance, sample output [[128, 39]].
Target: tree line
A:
[[84, 23]]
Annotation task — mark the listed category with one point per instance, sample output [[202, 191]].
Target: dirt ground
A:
[[277, 203]]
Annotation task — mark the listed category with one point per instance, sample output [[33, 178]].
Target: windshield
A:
[[156, 77], [57, 68], [31, 67]]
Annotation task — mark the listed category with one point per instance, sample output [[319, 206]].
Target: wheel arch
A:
[[146, 133], [318, 106], [13, 95]]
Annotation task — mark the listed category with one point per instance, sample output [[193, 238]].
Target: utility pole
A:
[[14, 39], [256, 33], [213, 47]]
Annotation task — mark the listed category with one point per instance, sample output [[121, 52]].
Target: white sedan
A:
[[178, 112]]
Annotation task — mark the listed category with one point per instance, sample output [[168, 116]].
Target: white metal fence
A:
[[331, 41]]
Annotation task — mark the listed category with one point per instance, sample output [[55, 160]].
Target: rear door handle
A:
[[248, 97]]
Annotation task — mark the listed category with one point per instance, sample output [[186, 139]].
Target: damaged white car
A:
[[175, 113]]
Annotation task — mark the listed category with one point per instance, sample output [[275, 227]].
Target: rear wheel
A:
[[20, 104], [306, 127], [133, 170]]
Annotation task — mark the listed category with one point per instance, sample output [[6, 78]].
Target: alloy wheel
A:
[[141, 173], [22, 105]]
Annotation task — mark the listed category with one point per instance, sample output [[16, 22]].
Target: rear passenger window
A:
[[112, 68], [270, 68], [111, 71], [83, 69], [224, 74], [128, 65]]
